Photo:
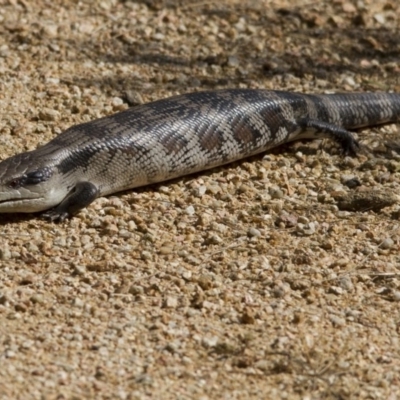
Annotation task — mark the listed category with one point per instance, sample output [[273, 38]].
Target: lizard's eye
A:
[[35, 177]]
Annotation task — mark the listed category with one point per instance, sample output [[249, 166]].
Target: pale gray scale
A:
[[349, 114], [360, 114], [229, 146], [311, 111], [137, 171], [188, 156], [193, 157], [257, 122], [285, 107], [114, 176], [285, 136], [387, 113], [264, 140], [134, 177], [284, 123], [288, 128], [206, 125], [275, 104], [154, 159], [96, 171], [335, 116], [156, 163]]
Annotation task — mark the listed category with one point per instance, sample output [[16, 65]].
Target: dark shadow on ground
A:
[[17, 218], [314, 50]]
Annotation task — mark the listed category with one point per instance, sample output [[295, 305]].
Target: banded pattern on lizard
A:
[[177, 136]]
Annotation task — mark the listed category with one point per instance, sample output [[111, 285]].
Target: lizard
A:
[[176, 136]]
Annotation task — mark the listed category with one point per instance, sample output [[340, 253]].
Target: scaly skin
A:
[[178, 136]]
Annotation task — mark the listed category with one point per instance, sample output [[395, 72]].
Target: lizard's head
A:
[[28, 184]]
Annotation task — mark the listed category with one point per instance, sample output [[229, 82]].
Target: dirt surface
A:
[[252, 281]]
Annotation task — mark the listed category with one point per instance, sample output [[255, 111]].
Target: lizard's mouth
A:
[[18, 199], [27, 204], [7, 201]]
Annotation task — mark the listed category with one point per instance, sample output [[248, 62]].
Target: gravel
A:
[[269, 278]]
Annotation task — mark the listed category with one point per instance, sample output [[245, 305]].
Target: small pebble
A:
[[387, 244], [5, 253], [48, 114], [337, 321], [303, 220], [170, 302], [214, 239], [146, 255], [201, 190], [190, 210], [133, 97], [117, 103], [306, 229], [346, 283], [380, 18], [336, 290], [396, 295], [276, 193], [210, 341], [253, 232], [233, 61]]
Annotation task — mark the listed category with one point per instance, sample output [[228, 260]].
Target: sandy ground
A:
[[246, 282]]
